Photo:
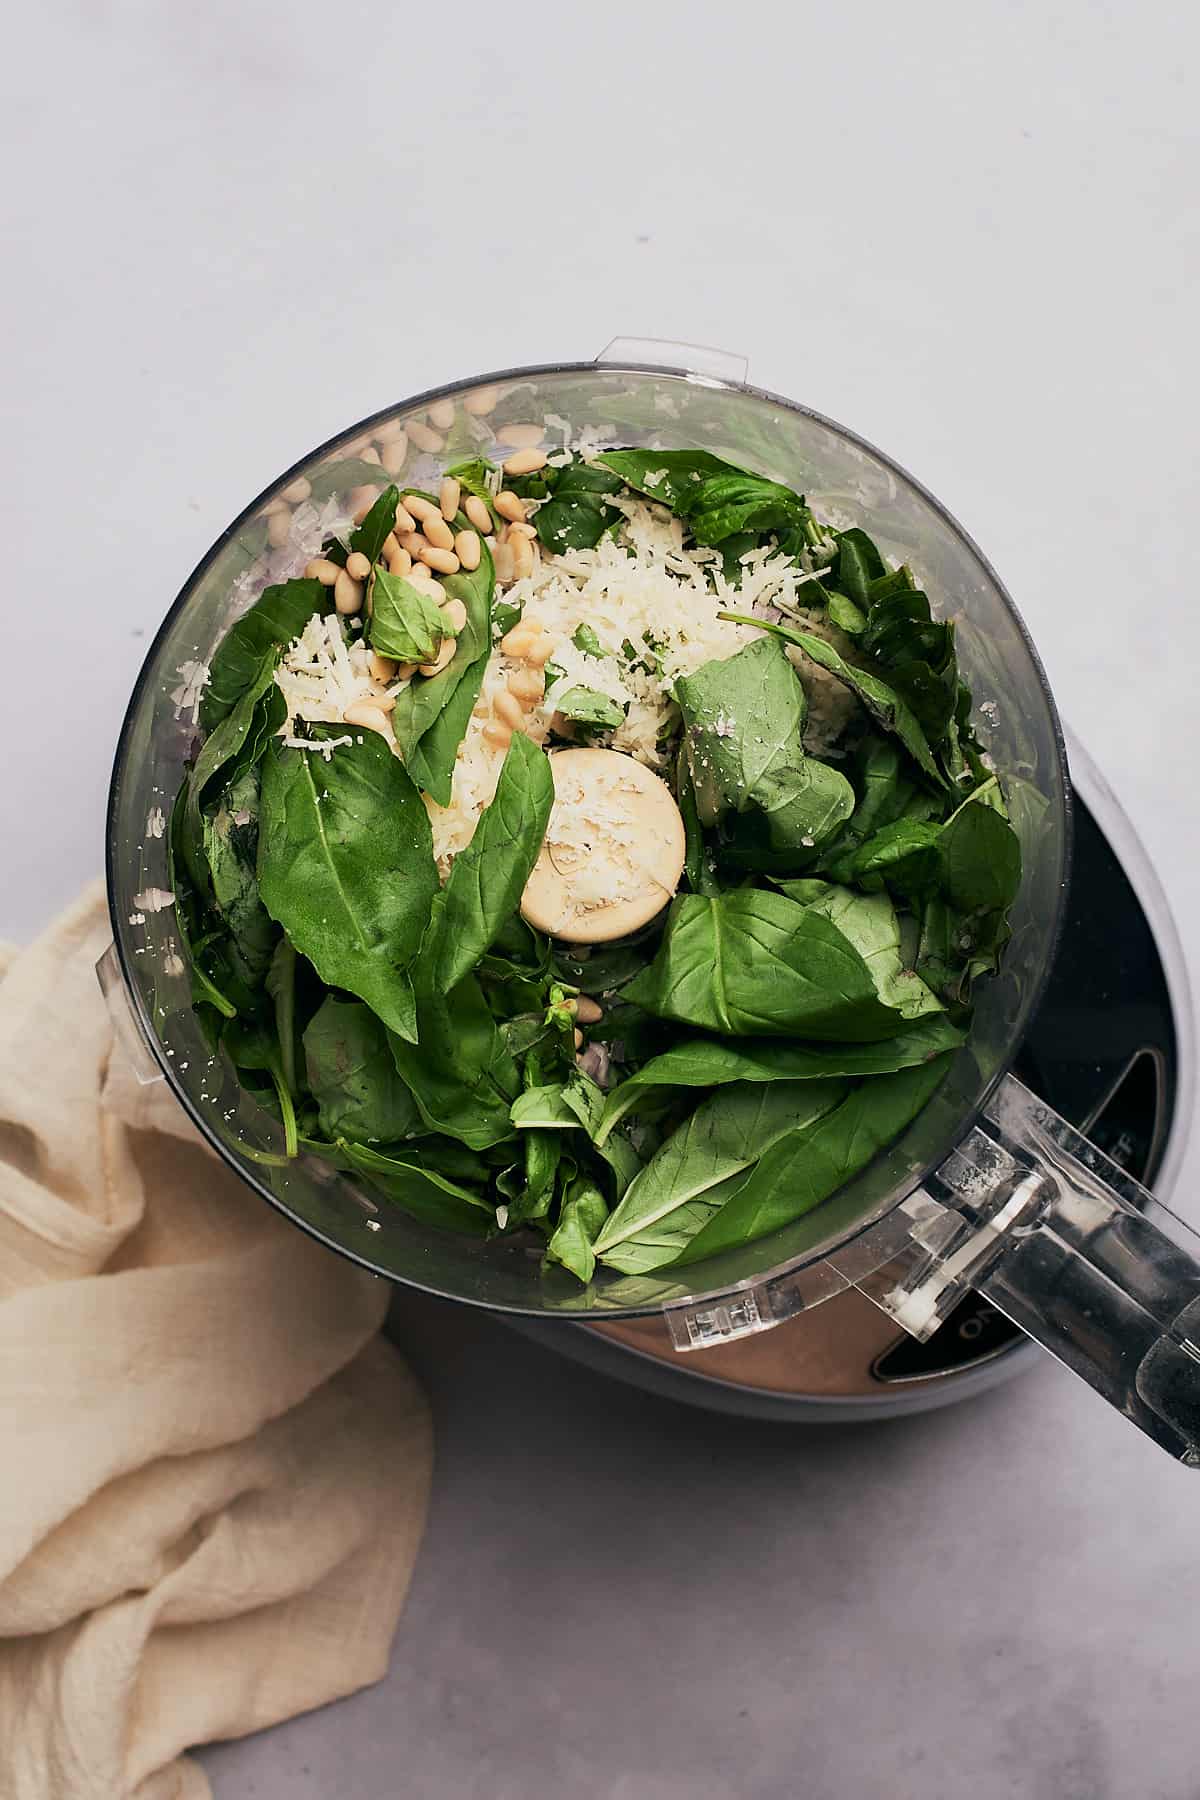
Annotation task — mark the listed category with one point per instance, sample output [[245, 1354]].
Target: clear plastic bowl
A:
[[847, 481]]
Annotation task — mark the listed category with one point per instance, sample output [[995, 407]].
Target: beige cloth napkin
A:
[[213, 1472]]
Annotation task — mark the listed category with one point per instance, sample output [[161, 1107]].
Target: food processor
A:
[[1016, 1206]]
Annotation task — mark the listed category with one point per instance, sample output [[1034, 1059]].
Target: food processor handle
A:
[[1068, 1246]]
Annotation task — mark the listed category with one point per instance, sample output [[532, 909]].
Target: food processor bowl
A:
[[986, 1188]]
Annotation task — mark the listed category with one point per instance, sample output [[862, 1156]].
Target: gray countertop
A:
[[970, 234]]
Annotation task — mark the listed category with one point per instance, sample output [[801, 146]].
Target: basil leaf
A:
[[751, 962], [430, 717], [856, 565], [585, 639], [281, 986], [692, 1175], [708, 1062], [251, 1045], [222, 745], [816, 1159], [230, 837], [405, 623], [457, 1066], [377, 527], [732, 503], [916, 654], [575, 516], [584, 1210], [743, 720], [428, 1196], [672, 477], [869, 922], [544, 1108], [881, 701], [846, 615], [346, 867], [352, 1076], [488, 878], [276, 618], [588, 707]]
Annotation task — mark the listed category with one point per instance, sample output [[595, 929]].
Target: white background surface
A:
[[970, 232]]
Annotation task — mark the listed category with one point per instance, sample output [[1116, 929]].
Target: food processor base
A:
[[1110, 1049]]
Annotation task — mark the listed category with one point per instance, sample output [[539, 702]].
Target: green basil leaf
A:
[[709, 1062], [352, 1075], [431, 715], [846, 615], [230, 838], [405, 623], [420, 1191], [223, 745], [881, 701], [346, 867], [458, 1067], [584, 1210], [800, 1170], [869, 922], [488, 878], [672, 477], [752, 962], [370, 537], [585, 639], [275, 620], [692, 1175], [588, 707], [856, 565]]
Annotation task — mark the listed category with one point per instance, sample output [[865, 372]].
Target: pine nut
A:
[[360, 500], [522, 551], [356, 446], [449, 494], [322, 570], [278, 504], [424, 581], [578, 1037], [358, 566], [441, 414], [539, 653], [390, 546], [521, 437], [438, 533], [370, 455], [478, 512], [444, 656], [510, 506], [385, 702], [502, 557], [455, 614], [497, 735], [528, 685], [525, 462], [279, 526], [430, 441], [586, 1010], [369, 716], [411, 541], [406, 671], [347, 594], [444, 561], [395, 454], [520, 639], [382, 667], [404, 519], [399, 562], [508, 709], [298, 491], [420, 507], [467, 548], [482, 401], [391, 433], [516, 529]]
